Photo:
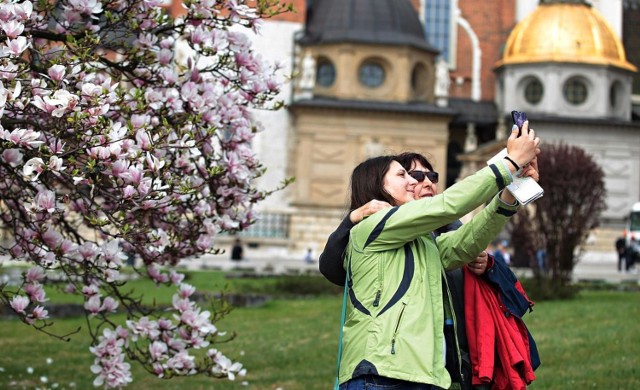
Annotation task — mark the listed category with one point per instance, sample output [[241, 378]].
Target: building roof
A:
[[369, 105], [565, 31], [387, 22], [469, 111]]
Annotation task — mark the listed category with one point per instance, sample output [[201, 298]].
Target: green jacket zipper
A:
[[395, 332], [455, 325]]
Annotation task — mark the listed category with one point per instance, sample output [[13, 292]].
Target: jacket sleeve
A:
[[463, 245], [391, 228], [331, 259]]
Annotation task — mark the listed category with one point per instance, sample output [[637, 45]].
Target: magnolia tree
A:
[[124, 130]]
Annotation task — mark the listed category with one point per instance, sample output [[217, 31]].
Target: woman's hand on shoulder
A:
[[368, 209]]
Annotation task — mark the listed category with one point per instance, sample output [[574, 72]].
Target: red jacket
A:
[[491, 330]]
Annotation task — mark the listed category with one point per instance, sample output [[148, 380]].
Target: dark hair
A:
[[407, 158], [367, 181]]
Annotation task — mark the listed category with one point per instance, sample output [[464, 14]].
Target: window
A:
[[271, 225], [326, 73], [533, 91], [615, 93], [440, 26], [371, 74], [419, 79], [575, 91]]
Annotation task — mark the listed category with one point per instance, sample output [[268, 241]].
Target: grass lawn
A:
[[590, 342]]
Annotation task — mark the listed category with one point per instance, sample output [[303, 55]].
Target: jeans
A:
[[374, 382]]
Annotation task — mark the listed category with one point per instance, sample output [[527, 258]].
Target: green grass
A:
[[204, 281], [591, 342]]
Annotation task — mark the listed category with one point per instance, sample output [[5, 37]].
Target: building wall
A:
[[329, 143], [398, 63], [598, 79], [492, 22], [616, 148], [275, 43]]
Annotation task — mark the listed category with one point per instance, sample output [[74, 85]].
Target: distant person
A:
[[496, 251], [621, 248], [308, 257], [236, 250], [541, 259], [501, 253]]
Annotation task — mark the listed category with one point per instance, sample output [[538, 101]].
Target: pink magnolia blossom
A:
[[35, 292], [109, 305], [24, 137], [144, 328], [19, 303], [157, 350], [56, 72], [14, 47], [40, 313], [34, 165], [34, 274], [93, 304], [23, 11], [86, 6], [181, 362], [224, 365], [109, 365], [12, 28], [45, 201], [12, 157]]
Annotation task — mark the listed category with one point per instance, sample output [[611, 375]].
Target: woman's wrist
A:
[[512, 162]]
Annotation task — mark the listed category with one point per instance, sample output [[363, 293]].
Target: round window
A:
[[326, 73], [371, 74], [533, 91], [575, 91]]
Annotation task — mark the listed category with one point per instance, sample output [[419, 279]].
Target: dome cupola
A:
[[392, 22], [565, 31]]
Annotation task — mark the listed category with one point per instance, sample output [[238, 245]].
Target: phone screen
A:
[[518, 119]]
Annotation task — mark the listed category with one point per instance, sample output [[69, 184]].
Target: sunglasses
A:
[[420, 175]]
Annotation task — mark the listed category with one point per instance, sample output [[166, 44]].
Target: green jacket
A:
[[395, 316]]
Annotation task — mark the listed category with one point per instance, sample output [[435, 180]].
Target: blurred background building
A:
[[440, 77]]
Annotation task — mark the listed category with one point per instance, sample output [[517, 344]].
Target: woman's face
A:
[[399, 184], [426, 188]]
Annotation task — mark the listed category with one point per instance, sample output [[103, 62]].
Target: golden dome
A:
[[561, 32]]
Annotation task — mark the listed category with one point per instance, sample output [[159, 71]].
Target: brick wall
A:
[[492, 21], [297, 15]]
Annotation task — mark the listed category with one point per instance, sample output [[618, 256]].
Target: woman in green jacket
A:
[[393, 333]]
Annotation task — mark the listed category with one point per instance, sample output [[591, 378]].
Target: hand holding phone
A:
[[518, 119]]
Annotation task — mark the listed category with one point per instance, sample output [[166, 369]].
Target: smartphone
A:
[[518, 119]]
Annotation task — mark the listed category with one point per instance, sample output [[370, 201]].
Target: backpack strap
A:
[[342, 319]]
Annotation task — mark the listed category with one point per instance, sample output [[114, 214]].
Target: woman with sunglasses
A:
[[331, 263], [418, 167], [394, 329]]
